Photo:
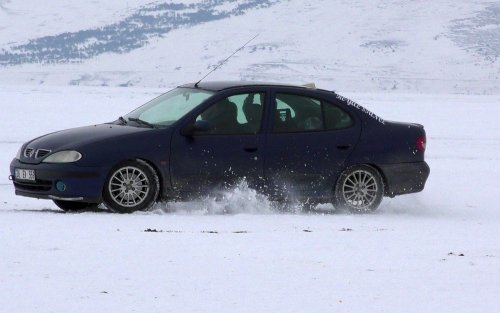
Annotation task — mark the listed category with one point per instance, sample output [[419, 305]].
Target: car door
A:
[[228, 151], [308, 141]]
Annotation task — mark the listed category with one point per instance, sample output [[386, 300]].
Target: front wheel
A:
[[131, 186], [360, 189]]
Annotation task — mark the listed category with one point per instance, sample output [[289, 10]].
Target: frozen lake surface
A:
[[436, 251]]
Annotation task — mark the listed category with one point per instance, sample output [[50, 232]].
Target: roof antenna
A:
[[223, 62]]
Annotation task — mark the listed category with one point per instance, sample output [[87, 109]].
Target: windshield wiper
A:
[[122, 120], [142, 122]]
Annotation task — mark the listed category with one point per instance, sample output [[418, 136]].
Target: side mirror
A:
[[198, 126]]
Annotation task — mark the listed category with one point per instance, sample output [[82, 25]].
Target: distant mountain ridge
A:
[[134, 31], [448, 46]]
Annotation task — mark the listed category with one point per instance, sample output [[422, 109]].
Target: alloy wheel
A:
[[129, 186]]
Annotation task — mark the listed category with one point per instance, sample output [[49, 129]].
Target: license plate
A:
[[22, 174]]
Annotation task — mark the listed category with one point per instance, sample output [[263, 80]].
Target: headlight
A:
[[63, 157], [19, 153]]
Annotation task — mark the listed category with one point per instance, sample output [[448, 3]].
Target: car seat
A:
[[283, 120], [253, 113], [226, 118]]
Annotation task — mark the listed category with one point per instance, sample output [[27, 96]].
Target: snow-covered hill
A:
[[399, 45]]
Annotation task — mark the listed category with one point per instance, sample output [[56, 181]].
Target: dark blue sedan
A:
[[285, 141]]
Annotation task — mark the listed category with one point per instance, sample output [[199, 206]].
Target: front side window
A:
[[238, 114], [170, 107], [294, 113]]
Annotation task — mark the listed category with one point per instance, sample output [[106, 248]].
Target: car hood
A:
[[76, 137]]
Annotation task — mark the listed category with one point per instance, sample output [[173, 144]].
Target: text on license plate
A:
[[23, 174]]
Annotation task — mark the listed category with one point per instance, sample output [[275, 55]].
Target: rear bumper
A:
[[82, 183], [404, 178]]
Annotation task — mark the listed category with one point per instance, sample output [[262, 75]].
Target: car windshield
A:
[[169, 107]]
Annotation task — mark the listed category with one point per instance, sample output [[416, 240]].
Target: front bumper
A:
[[82, 183], [403, 178]]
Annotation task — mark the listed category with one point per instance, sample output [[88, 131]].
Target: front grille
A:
[[40, 153], [28, 152], [31, 153], [39, 185]]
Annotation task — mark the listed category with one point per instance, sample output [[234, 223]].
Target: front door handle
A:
[[343, 147], [250, 148]]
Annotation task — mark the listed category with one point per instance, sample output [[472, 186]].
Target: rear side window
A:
[[335, 117], [294, 113]]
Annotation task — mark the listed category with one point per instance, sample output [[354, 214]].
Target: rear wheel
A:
[[71, 206], [131, 186], [360, 189]]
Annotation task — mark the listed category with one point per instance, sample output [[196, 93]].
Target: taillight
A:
[[421, 141]]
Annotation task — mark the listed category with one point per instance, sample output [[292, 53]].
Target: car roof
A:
[[222, 85]]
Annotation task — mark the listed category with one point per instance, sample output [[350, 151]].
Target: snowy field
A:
[[436, 251]]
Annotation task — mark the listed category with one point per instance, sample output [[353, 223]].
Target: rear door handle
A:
[[250, 149], [343, 147]]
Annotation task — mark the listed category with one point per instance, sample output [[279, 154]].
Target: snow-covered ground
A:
[[432, 62], [436, 251]]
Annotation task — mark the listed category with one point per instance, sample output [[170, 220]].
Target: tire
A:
[[71, 206], [359, 189], [131, 186]]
